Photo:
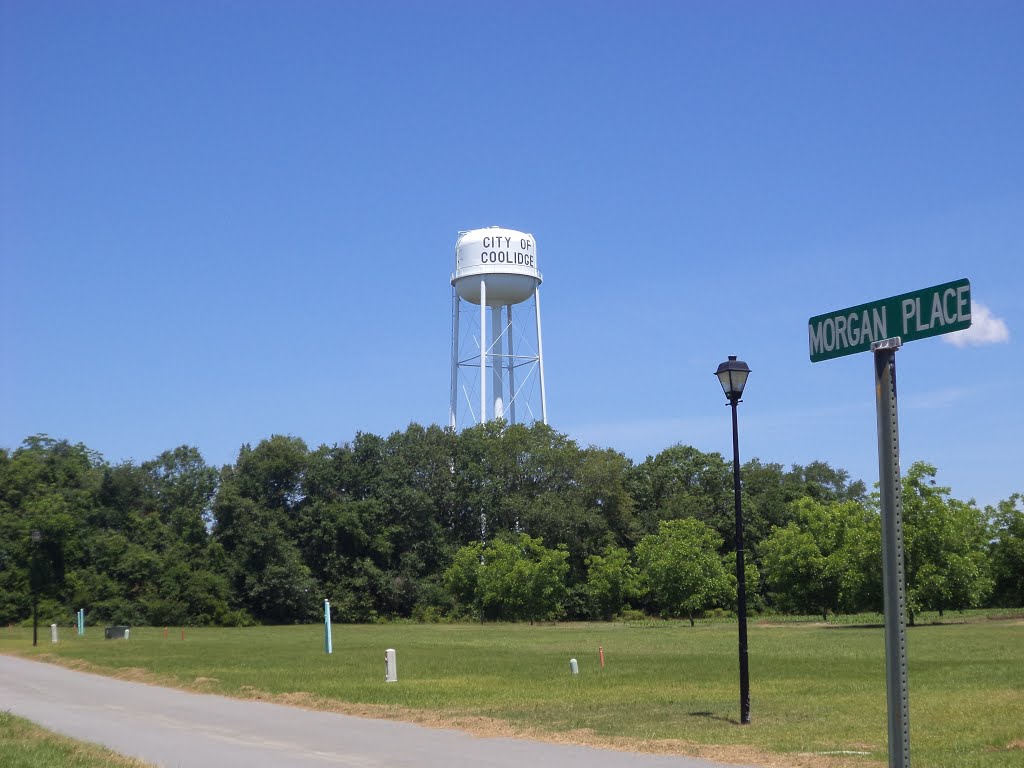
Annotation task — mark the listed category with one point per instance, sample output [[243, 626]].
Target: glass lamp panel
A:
[[725, 379], [739, 381]]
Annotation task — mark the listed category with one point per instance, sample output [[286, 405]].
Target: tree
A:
[[415, 487], [823, 561], [462, 578], [946, 546], [269, 578], [184, 487], [752, 576], [390, 527], [256, 523], [518, 578], [683, 482], [822, 482], [601, 479], [272, 474], [521, 579], [1008, 551], [768, 493], [51, 486], [681, 568], [611, 581]]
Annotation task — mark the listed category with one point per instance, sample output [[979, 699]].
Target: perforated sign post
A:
[[883, 326]]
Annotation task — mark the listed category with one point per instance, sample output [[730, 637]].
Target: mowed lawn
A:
[[815, 688], [25, 745]]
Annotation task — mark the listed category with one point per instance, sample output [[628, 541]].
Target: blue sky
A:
[[224, 220]]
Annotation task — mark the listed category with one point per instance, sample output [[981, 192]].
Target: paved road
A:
[[167, 727]]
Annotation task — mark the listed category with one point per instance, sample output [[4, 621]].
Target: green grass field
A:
[[26, 745], [815, 689]]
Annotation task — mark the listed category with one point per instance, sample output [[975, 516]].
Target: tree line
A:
[[498, 522]]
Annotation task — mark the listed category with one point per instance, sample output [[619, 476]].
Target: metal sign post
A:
[[883, 327], [891, 492]]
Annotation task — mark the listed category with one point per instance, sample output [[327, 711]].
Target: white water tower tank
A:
[[503, 260], [497, 268]]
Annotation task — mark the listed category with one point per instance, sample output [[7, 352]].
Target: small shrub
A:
[[429, 614], [631, 614]]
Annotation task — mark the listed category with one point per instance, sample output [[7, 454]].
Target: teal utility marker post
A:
[[81, 622], [328, 648], [910, 316]]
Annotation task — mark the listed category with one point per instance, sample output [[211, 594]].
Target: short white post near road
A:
[[390, 666], [574, 668], [53, 633]]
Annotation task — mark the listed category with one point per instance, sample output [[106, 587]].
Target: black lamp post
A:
[[733, 376], [36, 537]]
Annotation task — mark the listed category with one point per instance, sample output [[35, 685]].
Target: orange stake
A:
[[600, 652]]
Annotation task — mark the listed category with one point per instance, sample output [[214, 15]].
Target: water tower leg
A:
[[497, 366], [453, 405], [483, 351], [511, 368], [540, 358]]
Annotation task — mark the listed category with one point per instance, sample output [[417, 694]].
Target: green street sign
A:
[[910, 316]]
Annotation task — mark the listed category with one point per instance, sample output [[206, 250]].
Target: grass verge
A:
[[818, 691], [25, 745]]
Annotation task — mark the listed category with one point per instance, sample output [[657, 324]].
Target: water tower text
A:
[[498, 249]]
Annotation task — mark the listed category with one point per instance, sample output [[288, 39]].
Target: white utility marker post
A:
[[390, 666], [53, 633]]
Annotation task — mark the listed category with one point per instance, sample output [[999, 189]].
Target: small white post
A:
[[574, 668], [53, 633], [390, 666], [126, 633]]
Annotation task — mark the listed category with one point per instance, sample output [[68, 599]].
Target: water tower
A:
[[496, 268]]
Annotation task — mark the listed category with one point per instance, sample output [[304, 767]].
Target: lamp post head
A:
[[732, 374]]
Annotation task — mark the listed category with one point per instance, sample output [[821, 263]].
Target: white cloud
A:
[[942, 398], [985, 328]]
